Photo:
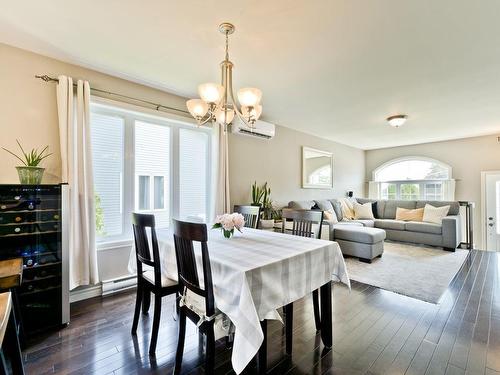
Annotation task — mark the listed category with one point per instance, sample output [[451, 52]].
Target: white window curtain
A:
[[76, 157], [374, 190], [220, 172], [449, 190]]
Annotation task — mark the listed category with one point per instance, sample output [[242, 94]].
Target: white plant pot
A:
[[266, 224]]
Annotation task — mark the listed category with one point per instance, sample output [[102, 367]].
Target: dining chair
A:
[[251, 215], [9, 339], [149, 275], [197, 297], [305, 223]]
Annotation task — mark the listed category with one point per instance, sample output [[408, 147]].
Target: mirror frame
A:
[[305, 184]]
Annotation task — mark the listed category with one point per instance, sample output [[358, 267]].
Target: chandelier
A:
[[217, 104]]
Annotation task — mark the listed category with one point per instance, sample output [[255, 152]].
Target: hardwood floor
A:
[[375, 332]]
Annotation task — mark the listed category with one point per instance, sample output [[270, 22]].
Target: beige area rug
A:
[[416, 271]]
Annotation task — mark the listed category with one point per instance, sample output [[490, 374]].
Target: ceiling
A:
[[331, 68]]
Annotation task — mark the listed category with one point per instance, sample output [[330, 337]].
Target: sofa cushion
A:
[[421, 227], [392, 205], [389, 224], [359, 234], [301, 205], [365, 223], [324, 205], [454, 206], [338, 209]]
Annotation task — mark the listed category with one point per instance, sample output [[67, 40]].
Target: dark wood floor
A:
[[375, 332]]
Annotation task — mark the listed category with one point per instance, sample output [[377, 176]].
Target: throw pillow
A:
[[330, 216], [363, 211], [406, 214], [435, 215], [347, 208], [375, 210]]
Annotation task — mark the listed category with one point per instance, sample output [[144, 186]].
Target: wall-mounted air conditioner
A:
[[264, 130]]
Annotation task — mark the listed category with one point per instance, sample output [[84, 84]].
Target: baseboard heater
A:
[[119, 284]]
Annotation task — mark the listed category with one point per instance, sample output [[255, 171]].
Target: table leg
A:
[[326, 314], [263, 349]]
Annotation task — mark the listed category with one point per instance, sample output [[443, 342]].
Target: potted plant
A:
[[30, 173], [267, 220], [257, 194]]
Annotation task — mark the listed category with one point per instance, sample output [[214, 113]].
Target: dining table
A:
[[255, 273]]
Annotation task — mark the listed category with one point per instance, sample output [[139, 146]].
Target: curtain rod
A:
[[157, 106]]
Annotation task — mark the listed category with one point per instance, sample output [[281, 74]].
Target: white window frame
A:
[[132, 113], [151, 192], [422, 183]]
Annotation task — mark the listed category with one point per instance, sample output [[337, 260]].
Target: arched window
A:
[[413, 178]]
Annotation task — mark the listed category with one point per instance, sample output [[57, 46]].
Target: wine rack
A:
[[33, 227]]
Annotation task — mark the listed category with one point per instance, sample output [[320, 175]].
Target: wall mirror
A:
[[317, 169]]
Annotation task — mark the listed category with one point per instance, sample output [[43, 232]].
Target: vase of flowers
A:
[[228, 223], [30, 173]]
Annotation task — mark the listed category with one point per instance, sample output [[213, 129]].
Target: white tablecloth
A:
[[256, 272]]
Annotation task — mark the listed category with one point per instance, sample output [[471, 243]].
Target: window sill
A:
[[113, 244]]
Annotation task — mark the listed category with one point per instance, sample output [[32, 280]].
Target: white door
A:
[[492, 219]]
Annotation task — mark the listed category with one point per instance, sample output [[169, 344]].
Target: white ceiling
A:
[[332, 68]]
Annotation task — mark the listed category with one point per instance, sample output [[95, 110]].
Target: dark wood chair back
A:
[[140, 224], [185, 233], [251, 215], [303, 222]]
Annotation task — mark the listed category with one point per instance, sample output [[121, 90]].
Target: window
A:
[[107, 134], [147, 164], [413, 178]]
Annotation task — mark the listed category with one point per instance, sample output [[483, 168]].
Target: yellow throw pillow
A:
[[406, 214]]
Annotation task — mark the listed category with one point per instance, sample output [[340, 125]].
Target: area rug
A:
[[412, 270]]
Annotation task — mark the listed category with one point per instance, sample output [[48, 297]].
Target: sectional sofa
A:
[[364, 238]]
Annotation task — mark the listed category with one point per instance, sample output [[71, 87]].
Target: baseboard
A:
[[85, 293]]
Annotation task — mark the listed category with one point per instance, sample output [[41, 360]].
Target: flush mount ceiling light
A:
[[397, 120], [217, 104]]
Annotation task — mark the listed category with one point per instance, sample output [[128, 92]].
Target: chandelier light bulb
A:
[[252, 113], [197, 107], [211, 92], [249, 96], [225, 117]]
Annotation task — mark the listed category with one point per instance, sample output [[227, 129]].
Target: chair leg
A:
[[156, 325], [3, 363], [137, 311], [289, 327], [317, 317], [146, 301], [13, 346], [180, 341], [210, 352]]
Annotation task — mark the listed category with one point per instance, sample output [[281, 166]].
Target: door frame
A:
[[483, 205]]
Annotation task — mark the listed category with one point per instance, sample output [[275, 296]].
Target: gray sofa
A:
[[447, 235]]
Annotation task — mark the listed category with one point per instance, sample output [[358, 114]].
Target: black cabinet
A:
[[33, 226]]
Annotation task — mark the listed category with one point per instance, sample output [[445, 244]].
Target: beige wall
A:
[[28, 112], [28, 105], [468, 157], [279, 162]]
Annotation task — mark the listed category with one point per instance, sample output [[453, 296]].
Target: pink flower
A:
[[238, 220]]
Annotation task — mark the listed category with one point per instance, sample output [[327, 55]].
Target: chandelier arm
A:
[[229, 82]]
